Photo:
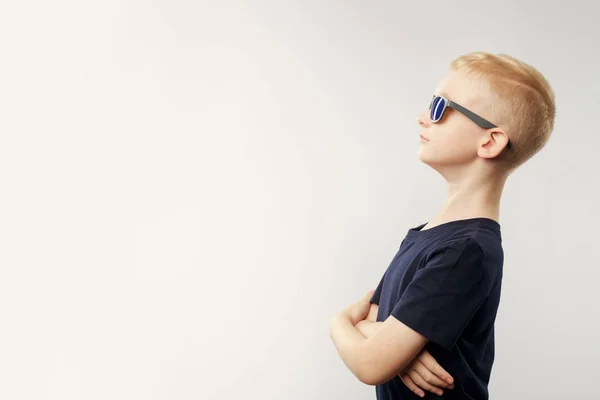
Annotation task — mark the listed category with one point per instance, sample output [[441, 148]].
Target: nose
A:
[[423, 119]]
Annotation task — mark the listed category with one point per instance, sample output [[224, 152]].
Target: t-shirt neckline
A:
[[450, 225]]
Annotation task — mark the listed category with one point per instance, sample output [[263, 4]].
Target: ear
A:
[[493, 143]]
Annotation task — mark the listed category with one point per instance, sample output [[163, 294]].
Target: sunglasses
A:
[[438, 107]]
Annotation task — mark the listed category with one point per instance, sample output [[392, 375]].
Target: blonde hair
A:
[[522, 101]]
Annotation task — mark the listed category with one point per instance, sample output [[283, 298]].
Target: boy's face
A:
[[454, 140]]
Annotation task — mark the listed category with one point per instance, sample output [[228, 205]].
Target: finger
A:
[[419, 381], [411, 385], [373, 310], [427, 359], [428, 376]]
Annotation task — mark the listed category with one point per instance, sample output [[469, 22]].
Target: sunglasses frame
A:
[[482, 122]]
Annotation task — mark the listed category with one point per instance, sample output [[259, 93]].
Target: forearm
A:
[[368, 328], [347, 340]]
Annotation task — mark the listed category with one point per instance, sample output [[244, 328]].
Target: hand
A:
[[373, 311], [369, 325], [359, 310], [425, 373]]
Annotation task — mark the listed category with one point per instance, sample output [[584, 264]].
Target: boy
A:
[[427, 330]]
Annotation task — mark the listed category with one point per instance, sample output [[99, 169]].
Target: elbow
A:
[[371, 378], [371, 373], [367, 379]]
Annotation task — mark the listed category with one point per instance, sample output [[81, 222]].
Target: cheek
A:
[[442, 141], [446, 147], [456, 138]]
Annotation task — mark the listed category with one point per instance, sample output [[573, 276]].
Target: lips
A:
[[424, 138]]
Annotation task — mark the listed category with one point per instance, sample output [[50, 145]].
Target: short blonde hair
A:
[[523, 102]]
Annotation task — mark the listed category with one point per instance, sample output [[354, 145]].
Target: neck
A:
[[470, 198]]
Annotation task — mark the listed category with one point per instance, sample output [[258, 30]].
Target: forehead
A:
[[462, 88]]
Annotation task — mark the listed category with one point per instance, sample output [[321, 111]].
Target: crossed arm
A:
[[420, 372], [379, 357], [446, 292]]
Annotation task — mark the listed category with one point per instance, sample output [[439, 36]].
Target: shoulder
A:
[[458, 247], [482, 239], [476, 253]]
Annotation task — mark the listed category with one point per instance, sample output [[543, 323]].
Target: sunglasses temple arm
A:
[[471, 115]]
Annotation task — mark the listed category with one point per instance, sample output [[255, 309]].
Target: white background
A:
[[191, 190]]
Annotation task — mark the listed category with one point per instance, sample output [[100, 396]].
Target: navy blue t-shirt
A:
[[444, 282]]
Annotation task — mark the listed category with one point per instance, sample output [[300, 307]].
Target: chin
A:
[[429, 163], [433, 162], [425, 158]]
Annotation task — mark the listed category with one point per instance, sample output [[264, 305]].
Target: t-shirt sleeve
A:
[[446, 292], [377, 292]]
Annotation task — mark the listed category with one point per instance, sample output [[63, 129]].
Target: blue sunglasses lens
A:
[[438, 105]]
